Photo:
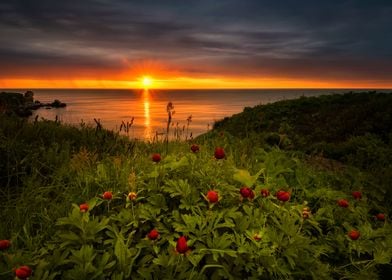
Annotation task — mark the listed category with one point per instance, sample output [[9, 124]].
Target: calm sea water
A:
[[148, 108]]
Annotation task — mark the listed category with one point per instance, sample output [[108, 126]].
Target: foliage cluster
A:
[[352, 128], [308, 122]]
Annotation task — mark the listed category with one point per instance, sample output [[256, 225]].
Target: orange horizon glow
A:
[[153, 74], [183, 82]]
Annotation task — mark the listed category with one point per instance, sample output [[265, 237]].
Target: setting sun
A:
[[147, 81]]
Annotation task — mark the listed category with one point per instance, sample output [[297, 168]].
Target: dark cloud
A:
[[298, 39]]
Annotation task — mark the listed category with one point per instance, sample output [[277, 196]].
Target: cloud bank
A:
[[324, 40]]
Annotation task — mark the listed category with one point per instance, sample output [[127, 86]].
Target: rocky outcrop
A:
[[23, 104]]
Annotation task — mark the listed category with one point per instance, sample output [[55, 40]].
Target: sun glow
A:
[[147, 82], [184, 82]]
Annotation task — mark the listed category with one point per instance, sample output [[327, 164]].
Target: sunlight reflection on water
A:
[[147, 124]]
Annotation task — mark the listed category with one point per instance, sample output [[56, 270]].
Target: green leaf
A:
[[243, 176], [195, 259], [174, 164], [94, 202], [69, 236], [154, 174], [122, 254], [84, 256], [382, 256]]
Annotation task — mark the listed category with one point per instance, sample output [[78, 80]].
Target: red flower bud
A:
[[107, 195], [357, 195], [380, 216], [195, 148], [343, 203], [23, 272], [132, 196], [156, 157], [153, 234], [247, 193], [83, 207], [182, 246], [306, 212], [283, 196], [354, 234], [257, 237], [219, 153], [4, 244], [212, 196], [264, 192]]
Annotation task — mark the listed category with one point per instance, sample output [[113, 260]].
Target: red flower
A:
[[380, 216], [219, 153], [357, 195], [153, 234], [247, 193], [283, 195], [107, 195], [156, 157], [354, 234], [181, 246], [4, 244], [132, 196], [23, 272], [212, 196], [195, 148], [343, 203], [83, 207], [264, 192]]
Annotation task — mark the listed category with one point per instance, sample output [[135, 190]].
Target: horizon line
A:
[[232, 88]]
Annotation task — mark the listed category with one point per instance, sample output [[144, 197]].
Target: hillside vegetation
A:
[[354, 129], [86, 203], [317, 124]]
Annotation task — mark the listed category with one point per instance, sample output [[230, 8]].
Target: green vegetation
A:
[[324, 223], [354, 129], [325, 124]]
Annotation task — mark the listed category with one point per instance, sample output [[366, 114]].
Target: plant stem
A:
[[175, 270], [133, 213]]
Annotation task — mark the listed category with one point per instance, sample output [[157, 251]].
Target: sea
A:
[[143, 114]]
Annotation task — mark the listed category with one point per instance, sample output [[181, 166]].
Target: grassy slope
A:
[[308, 121], [354, 128], [46, 166]]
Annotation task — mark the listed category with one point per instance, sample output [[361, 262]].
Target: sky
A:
[[196, 43]]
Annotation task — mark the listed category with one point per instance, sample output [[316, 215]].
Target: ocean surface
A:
[[147, 108]]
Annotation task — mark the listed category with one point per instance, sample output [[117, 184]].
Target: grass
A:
[[48, 167]]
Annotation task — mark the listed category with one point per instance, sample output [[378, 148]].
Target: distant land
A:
[[23, 104]]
